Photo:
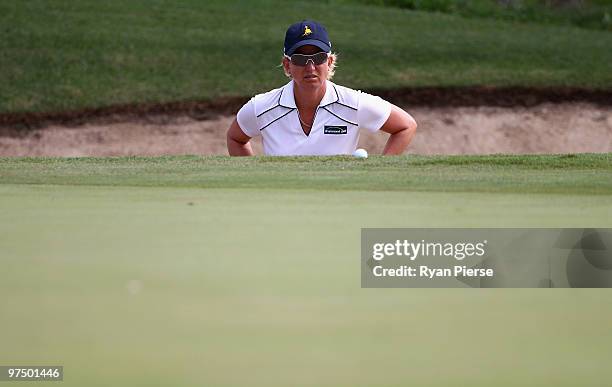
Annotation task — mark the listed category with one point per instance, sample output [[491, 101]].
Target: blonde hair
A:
[[332, 67]]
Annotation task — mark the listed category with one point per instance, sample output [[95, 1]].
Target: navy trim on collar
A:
[[337, 116], [276, 119], [275, 106], [264, 112]]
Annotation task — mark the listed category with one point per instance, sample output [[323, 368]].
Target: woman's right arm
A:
[[238, 142]]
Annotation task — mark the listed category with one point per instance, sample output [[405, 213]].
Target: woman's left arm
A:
[[402, 127]]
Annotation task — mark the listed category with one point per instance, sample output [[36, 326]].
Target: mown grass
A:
[[129, 271], [64, 55], [595, 14], [132, 268], [568, 174]]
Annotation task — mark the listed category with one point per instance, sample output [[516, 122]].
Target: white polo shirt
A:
[[335, 130]]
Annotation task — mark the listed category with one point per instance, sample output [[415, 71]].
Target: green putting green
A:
[[134, 272]]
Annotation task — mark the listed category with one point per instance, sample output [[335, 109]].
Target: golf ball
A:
[[361, 153]]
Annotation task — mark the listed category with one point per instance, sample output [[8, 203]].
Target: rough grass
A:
[[567, 174], [64, 55]]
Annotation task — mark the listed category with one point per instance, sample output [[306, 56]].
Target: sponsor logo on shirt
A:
[[335, 129]]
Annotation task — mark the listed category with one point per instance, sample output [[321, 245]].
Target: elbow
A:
[[410, 128], [237, 147], [412, 125], [231, 144], [228, 141]]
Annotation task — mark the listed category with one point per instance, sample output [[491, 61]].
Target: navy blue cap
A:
[[306, 32]]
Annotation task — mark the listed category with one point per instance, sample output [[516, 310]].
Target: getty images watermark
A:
[[486, 258]]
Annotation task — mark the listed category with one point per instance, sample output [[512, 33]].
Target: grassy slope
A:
[[65, 55], [252, 286], [579, 174], [585, 14]]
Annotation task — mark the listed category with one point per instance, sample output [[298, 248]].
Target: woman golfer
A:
[[310, 115]]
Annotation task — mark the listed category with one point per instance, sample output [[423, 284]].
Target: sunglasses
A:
[[302, 60]]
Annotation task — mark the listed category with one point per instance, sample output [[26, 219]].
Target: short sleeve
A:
[[372, 112], [247, 120]]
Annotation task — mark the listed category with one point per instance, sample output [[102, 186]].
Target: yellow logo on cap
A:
[[307, 31]]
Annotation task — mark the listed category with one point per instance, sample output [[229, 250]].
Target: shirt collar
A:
[[288, 100]]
